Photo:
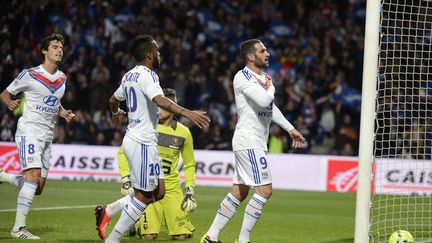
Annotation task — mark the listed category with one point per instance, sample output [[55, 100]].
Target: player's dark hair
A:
[[140, 46], [47, 40], [169, 93], [248, 47]]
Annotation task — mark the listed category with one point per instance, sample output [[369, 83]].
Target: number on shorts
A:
[[263, 162], [154, 169], [31, 148]]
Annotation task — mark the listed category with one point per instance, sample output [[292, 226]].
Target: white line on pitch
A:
[[50, 208], [424, 241]]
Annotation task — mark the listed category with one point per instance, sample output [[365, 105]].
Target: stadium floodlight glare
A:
[[395, 168]]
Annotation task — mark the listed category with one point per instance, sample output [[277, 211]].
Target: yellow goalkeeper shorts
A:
[[168, 212]]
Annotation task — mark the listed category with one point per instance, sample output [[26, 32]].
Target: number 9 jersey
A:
[[138, 88]]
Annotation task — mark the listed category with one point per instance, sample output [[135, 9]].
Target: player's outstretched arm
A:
[[189, 203], [11, 104], [197, 117], [189, 164], [68, 115], [115, 110], [278, 118]]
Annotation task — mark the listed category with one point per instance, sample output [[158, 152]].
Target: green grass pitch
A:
[[289, 216]]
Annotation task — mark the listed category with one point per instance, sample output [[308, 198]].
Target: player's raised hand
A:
[[68, 115], [298, 139], [13, 104], [269, 81], [198, 117], [116, 117]]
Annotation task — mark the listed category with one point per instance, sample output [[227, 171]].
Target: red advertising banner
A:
[[342, 175], [9, 158]]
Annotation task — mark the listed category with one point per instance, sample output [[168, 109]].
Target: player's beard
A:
[[261, 64], [156, 63]]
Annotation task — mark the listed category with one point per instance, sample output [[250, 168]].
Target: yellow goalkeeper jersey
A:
[[173, 140]]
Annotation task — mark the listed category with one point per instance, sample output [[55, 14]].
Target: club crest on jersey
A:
[[51, 100], [268, 77], [175, 143]]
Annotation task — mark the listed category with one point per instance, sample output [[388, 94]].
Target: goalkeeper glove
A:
[[189, 204], [126, 188]]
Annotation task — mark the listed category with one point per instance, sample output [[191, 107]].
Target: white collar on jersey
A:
[[142, 66], [254, 73], [48, 74]]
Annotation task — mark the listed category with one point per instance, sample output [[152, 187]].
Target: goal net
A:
[[402, 178]]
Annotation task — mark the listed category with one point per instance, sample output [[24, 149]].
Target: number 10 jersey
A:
[[138, 88]]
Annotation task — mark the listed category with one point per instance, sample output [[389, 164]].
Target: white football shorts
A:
[[34, 153], [144, 163], [251, 168]]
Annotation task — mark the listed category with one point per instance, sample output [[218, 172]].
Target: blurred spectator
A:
[[99, 68], [117, 139], [7, 128], [347, 134]]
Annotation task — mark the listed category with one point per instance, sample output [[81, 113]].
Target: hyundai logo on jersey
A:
[[51, 100]]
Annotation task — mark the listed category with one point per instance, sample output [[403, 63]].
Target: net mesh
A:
[[401, 198]]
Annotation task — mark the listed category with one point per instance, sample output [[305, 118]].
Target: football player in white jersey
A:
[[254, 94], [143, 95], [42, 88]]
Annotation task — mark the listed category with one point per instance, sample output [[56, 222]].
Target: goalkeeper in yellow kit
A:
[[174, 138]]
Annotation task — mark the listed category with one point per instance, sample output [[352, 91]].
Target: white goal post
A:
[[394, 189], [370, 65]]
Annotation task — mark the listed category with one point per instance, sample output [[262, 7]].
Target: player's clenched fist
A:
[[68, 115], [13, 104]]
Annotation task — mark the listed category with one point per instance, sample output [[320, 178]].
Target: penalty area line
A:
[[50, 208]]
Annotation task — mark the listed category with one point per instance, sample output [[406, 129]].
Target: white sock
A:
[[25, 198], [18, 181], [129, 216], [252, 213], [117, 206], [14, 180], [225, 212]]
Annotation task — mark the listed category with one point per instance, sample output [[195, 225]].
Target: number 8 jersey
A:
[[42, 94], [138, 88]]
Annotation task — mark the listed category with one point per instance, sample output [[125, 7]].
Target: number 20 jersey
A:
[[138, 88], [42, 94]]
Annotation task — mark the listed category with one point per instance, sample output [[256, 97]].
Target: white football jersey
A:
[[42, 94], [138, 87], [254, 102]]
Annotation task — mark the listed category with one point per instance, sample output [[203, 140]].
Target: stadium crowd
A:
[[316, 51]]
